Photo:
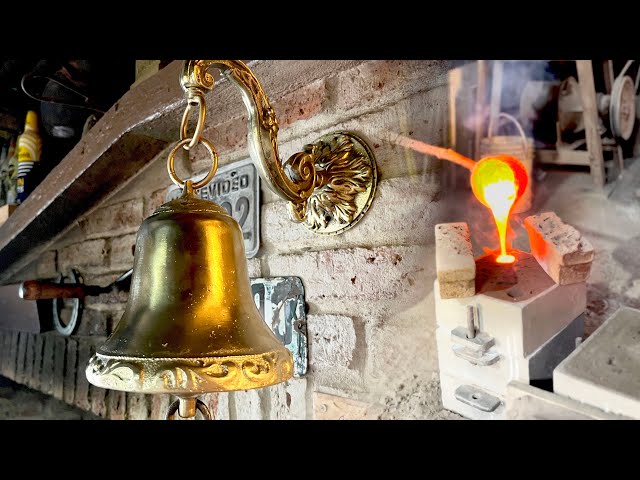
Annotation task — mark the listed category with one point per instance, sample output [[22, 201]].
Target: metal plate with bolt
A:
[[236, 188], [280, 301], [477, 398]]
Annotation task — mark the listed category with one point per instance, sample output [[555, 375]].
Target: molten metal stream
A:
[[497, 182]]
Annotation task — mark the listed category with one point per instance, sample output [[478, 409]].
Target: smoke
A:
[[524, 88]]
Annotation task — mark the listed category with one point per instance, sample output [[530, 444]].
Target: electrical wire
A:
[[53, 100]]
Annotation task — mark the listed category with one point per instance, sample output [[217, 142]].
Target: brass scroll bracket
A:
[[330, 184]]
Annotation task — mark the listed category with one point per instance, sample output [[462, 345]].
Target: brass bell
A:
[[190, 325]]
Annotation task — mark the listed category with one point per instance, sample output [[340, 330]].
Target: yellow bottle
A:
[[29, 149]]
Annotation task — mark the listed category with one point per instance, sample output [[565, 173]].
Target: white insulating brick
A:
[[495, 377], [525, 402], [332, 340], [520, 327], [449, 384], [559, 248], [454, 254], [288, 400], [604, 370], [248, 405]]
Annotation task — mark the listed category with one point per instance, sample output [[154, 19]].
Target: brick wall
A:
[[369, 291]]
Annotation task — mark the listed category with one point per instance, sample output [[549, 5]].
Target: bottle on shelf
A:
[[29, 149], [9, 173]]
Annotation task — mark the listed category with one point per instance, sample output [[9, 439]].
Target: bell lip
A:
[[190, 376]]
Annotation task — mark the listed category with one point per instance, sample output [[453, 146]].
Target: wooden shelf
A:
[[129, 136], [114, 150]]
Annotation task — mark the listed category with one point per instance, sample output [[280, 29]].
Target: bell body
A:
[[190, 325]]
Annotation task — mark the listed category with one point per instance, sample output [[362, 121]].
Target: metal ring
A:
[[185, 120], [214, 165], [204, 410]]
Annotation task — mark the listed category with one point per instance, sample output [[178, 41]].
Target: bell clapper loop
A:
[[171, 160], [187, 408]]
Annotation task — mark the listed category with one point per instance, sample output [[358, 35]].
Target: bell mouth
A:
[[190, 376]]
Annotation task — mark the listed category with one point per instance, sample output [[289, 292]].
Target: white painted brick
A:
[[218, 404], [364, 274], [422, 116], [332, 340], [248, 405], [254, 268], [380, 82], [288, 400], [397, 355], [339, 381], [403, 212]]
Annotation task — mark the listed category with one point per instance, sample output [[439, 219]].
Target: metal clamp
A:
[[472, 346], [68, 328]]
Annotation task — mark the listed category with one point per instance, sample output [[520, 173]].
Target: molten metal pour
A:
[[497, 182]]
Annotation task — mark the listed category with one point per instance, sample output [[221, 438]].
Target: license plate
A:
[[236, 188], [280, 301]]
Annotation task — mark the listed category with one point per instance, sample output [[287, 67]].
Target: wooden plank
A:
[[481, 94], [563, 156], [454, 84], [590, 115], [496, 94]]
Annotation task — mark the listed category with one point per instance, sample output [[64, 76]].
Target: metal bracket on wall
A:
[[69, 327], [280, 301]]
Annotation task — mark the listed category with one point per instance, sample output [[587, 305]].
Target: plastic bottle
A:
[[29, 148]]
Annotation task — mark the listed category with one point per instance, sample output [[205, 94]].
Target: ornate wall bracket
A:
[[330, 184]]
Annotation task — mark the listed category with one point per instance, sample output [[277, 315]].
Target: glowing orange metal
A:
[[498, 182]]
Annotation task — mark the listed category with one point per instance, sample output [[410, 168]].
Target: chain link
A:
[[194, 99]]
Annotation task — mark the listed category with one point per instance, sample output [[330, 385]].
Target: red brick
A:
[[154, 201], [117, 404], [92, 253], [82, 399], [48, 264], [48, 364], [122, 249], [98, 400], [37, 361], [301, 104], [159, 406], [374, 84], [94, 322], [137, 407], [13, 355], [29, 359], [60, 350], [22, 352], [116, 219], [71, 364]]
